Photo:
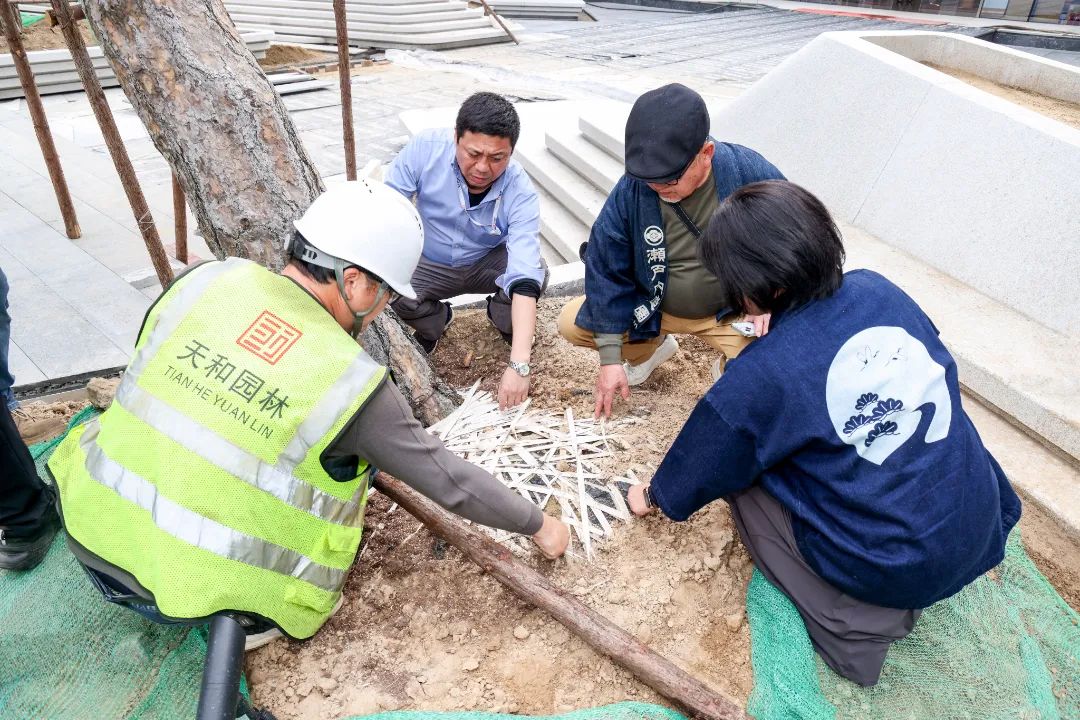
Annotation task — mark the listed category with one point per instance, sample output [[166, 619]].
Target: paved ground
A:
[[76, 305]]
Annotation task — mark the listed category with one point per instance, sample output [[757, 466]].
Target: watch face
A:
[[521, 369]]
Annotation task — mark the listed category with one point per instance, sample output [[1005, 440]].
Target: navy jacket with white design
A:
[[618, 278], [848, 412]]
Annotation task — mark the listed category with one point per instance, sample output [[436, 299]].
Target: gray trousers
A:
[[434, 283], [850, 635]]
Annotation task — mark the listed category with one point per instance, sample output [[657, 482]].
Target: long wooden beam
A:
[[601, 634]]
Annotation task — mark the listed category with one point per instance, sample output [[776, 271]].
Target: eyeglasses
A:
[[678, 177]]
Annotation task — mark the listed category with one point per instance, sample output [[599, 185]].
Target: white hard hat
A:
[[368, 224]]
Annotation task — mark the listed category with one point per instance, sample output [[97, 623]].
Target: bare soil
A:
[[1061, 110], [279, 56], [40, 421], [423, 628], [40, 36]]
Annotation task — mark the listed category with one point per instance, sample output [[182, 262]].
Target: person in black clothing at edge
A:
[[28, 519]]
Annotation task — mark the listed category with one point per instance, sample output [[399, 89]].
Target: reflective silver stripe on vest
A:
[[331, 406], [202, 532], [239, 463], [172, 314]]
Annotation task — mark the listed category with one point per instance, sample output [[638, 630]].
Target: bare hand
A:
[[553, 538], [761, 323], [513, 389], [636, 498], [611, 380]]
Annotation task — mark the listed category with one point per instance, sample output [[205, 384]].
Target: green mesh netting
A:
[[1006, 647], [619, 711], [69, 654], [66, 654]]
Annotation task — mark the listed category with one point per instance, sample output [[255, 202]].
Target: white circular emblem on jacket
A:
[[653, 235], [879, 384]]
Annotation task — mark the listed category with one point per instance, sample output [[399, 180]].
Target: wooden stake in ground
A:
[[179, 208], [651, 668], [345, 83], [9, 16], [120, 158], [213, 114]]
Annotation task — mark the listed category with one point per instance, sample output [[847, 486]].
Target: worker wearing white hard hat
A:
[[258, 423]]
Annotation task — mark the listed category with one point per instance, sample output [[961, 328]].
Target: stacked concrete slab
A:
[[431, 24], [54, 70], [546, 9]]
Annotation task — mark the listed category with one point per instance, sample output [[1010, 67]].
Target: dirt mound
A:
[[285, 55], [40, 36], [423, 628], [40, 421]]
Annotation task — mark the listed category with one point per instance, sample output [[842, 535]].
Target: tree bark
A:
[[216, 118], [213, 114], [601, 634], [430, 398]]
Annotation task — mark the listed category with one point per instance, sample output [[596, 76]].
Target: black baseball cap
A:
[[666, 129]]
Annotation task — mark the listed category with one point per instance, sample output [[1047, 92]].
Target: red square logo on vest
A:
[[269, 337]]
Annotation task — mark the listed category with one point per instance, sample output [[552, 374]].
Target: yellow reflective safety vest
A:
[[203, 479]]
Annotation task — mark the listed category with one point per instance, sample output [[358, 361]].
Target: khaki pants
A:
[[719, 335]]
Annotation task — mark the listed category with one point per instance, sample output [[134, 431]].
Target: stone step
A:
[[322, 23], [362, 8], [559, 228], [604, 123], [547, 9], [405, 41], [604, 126], [588, 160], [432, 25], [54, 71], [354, 20]]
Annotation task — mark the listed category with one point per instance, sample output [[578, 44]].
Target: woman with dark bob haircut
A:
[[855, 478]]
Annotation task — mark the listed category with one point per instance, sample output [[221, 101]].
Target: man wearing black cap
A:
[[643, 280]]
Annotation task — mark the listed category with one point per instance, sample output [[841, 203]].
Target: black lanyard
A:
[[678, 208]]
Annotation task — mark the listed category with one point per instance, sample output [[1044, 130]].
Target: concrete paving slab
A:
[[23, 368], [50, 332]]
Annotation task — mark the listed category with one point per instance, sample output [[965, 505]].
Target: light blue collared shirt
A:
[[458, 235]]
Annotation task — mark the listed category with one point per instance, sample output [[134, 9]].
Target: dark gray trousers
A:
[[850, 635], [434, 283]]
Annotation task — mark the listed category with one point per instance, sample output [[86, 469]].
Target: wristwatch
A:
[[650, 502], [520, 368]]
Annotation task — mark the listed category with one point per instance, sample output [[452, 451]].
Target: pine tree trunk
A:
[[212, 112]]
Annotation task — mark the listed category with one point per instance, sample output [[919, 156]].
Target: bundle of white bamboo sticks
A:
[[545, 457]]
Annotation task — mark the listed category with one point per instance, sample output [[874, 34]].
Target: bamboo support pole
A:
[[109, 131], [179, 206], [653, 669], [492, 13], [345, 82], [12, 27]]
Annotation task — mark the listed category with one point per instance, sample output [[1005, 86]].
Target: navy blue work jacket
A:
[[848, 412], [626, 257]]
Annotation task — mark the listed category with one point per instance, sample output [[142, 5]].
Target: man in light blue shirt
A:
[[481, 220]]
